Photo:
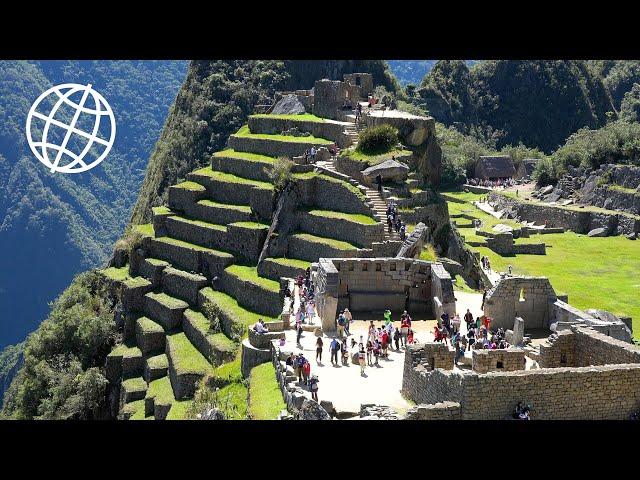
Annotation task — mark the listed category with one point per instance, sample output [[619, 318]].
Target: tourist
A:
[[298, 333], [311, 311], [372, 332], [446, 323], [445, 335], [379, 182], [341, 321], [369, 351], [410, 336], [313, 386], [437, 335], [345, 353], [459, 352], [403, 231], [306, 371], [361, 358], [487, 323], [510, 269], [463, 342], [319, 344], [398, 224], [260, 327], [478, 324], [389, 223], [300, 361], [290, 360], [468, 317], [348, 320], [335, 348], [385, 343], [376, 351], [484, 297], [405, 324], [390, 329], [455, 323]]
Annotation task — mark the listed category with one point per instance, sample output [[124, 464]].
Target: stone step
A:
[[215, 347], [150, 336], [151, 269], [255, 293], [159, 398], [156, 367], [243, 164], [220, 213], [198, 232], [275, 268], [311, 247], [183, 285], [165, 310]]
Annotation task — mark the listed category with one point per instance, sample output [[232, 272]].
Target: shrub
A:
[[280, 173], [377, 140]]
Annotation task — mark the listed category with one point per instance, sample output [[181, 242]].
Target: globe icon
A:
[[70, 128]]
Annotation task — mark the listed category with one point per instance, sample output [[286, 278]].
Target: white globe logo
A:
[[69, 129]]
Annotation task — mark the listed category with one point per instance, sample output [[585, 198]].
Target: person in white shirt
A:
[[260, 327]]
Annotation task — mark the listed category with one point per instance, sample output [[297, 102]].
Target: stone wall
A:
[[442, 290], [504, 302], [435, 411], [422, 384], [325, 192], [251, 296], [501, 360], [326, 282], [504, 244], [595, 348], [272, 147], [329, 130], [330, 95], [360, 234], [570, 219]]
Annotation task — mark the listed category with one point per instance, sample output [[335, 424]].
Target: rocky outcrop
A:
[[288, 105], [388, 170]]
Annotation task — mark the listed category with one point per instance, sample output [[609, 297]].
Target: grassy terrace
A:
[[145, 230], [337, 244], [228, 206], [126, 351], [620, 188], [191, 186], [245, 132], [265, 398], [255, 225], [253, 157], [250, 275], [230, 306], [594, 272], [185, 357], [201, 223], [303, 117], [351, 217], [116, 274], [374, 159], [229, 178], [291, 262], [347, 185], [161, 390], [180, 243]]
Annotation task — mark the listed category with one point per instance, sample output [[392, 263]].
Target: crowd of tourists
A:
[[499, 183], [394, 222]]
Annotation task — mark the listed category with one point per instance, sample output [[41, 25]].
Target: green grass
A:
[[265, 398], [158, 361], [161, 390], [179, 409], [252, 157], [291, 262], [302, 117], [201, 223], [136, 409], [594, 272], [126, 351], [229, 178], [191, 186], [461, 286], [428, 253], [351, 217], [228, 206], [116, 274], [330, 242], [229, 372], [374, 159], [620, 188], [311, 175], [254, 225], [149, 326], [168, 301], [185, 357], [250, 275], [233, 401], [231, 307], [245, 132], [136, 282], [145, 230], [134, 384], [161, 210], [180, 243]]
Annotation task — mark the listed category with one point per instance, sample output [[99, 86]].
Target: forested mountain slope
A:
[[52, 226]]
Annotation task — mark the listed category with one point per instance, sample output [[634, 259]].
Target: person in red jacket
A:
[[306, 372], [385, 343]]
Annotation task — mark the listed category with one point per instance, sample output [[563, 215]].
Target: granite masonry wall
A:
[[502, 360], [330, 130]]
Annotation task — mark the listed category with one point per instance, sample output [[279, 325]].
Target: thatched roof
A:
[[495, 167]]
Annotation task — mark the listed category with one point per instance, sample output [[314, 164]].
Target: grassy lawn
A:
[[185, 357], [191, 186], [250, 275], [301, 117], [161, 390], [245, 132], [117, 274], [351, 217], [593, 272], [265, 398]]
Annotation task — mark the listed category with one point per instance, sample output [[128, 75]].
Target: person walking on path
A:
[[396, 338], [369, 351], [306, 372], [387, 317], [335, 348], [298, 333], [376, 351], [313, 386], [319, 345], [345, 353], [468, 318], [348, 319], [379, 182], [484, 297], [341, 321], [300, 361], [405, 324], [361, 359]]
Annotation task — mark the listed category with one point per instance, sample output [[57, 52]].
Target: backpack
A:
[[341, 321]]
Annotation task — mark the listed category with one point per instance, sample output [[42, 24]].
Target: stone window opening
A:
[[378, 267], [364, 267], [358, 82], [407, 266], [522, 297], [392, 267], [563, 358], [499, 365], [351, 266]]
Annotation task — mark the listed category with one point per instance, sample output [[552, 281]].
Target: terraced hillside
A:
[[194, 282]]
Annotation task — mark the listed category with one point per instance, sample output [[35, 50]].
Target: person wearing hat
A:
[[348, 319], [387, 317]]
